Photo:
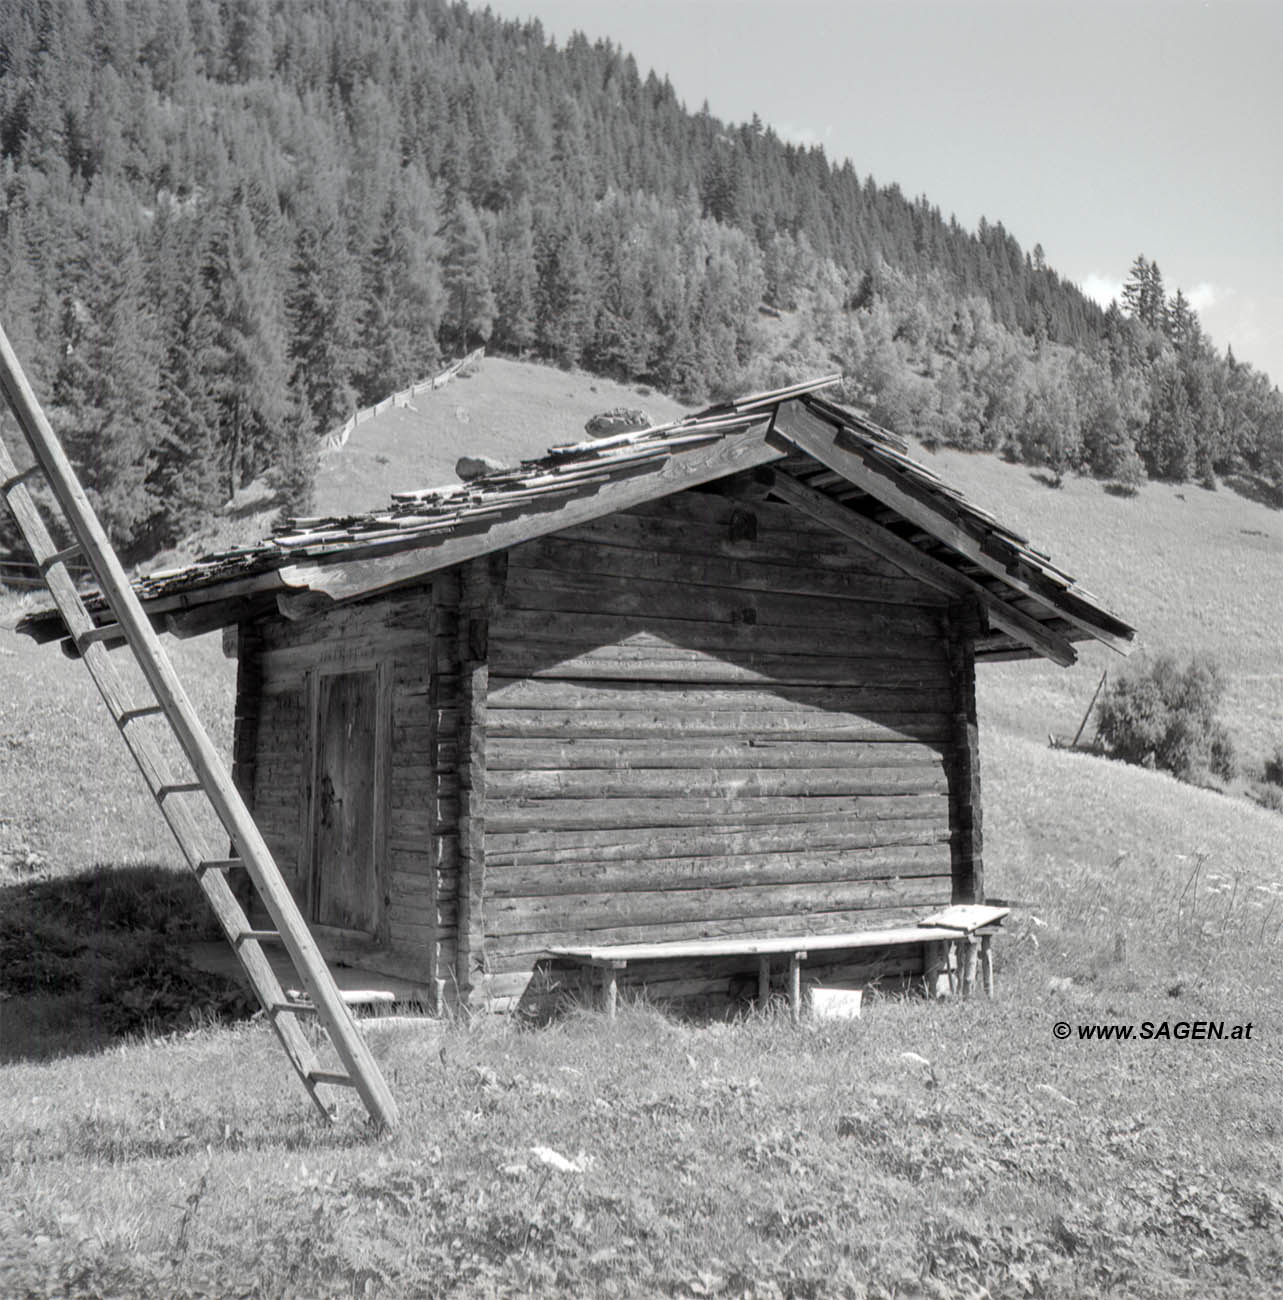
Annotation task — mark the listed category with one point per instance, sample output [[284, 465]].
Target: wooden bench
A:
[[956, 942]]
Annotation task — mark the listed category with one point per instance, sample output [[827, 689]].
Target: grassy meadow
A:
[[152, 1143]]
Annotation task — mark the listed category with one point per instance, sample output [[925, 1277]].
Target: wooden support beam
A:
[[965, 803], [763, 982], [837, 449], [823, 509], [795, 985], [473, 650]]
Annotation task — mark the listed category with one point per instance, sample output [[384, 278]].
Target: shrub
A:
[[1274, 766], [1163, 714]]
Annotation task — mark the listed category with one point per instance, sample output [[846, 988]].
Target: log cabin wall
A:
[[388, 667], [709, 717]]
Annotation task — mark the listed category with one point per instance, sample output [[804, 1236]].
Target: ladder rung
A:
[[107, 632], [257, 936], [298, 1008], [20, 477], [218, 864], [60, 557], [179, 787], [146, 711], [332, 1077]]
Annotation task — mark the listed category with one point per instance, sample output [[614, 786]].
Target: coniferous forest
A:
[[228, 223]]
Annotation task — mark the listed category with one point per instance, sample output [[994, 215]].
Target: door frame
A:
[[307, 871]]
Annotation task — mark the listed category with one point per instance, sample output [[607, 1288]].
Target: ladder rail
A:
[[205, 761]]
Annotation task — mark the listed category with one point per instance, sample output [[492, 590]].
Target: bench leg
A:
[[935, 969], [970, 951], [610, 990], [795, 985], [986, 964]]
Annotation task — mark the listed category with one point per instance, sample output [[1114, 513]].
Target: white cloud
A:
[[1202, 296], [1101, 289], [805, 136]]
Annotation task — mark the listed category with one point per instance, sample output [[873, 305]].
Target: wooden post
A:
[[249, 687], [610, 987], [986, 963], [795, 985], [763, 982], [964, 778], [970, 950], [474, 630]]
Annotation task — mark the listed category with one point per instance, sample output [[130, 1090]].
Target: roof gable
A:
[[820, 458]]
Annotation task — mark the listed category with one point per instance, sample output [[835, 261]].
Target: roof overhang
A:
[[820, 458]]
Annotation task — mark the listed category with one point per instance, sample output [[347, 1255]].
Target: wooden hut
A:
[[709, 680]]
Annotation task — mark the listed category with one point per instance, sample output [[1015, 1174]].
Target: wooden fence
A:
[[334, 440]]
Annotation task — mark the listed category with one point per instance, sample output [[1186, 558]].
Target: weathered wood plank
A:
[[717, 783], [559, 724], [968, 862], [612, 844], [513, 693], [563, 631], [570, 814], [867, 665], [512, 754], [650, 873]]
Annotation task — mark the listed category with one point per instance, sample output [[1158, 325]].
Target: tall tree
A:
[[469, 293]]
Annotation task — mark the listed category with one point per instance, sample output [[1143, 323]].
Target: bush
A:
[[1274, 766], [1162, 714]]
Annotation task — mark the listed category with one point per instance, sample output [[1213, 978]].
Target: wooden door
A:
[[345, 803]]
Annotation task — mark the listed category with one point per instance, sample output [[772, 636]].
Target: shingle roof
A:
[[913, 507]]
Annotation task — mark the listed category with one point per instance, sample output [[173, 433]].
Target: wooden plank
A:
[[512, 754], [562, 631], [571, 814], [513, 693], [869, 665], [798, 941], [814, 835], [844, 456], [911, 560], [967, 916], [783, 724], [535, 879], [717, 783], [672, 473]]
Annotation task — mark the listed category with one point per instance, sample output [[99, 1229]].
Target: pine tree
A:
[[248, 367], [469, 293], [516, 279]]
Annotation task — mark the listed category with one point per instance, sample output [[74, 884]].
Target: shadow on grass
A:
[[90, 958]]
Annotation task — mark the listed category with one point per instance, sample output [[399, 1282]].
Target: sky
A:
[[1101, 130]]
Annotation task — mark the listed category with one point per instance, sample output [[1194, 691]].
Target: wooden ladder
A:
[[208, 780]]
